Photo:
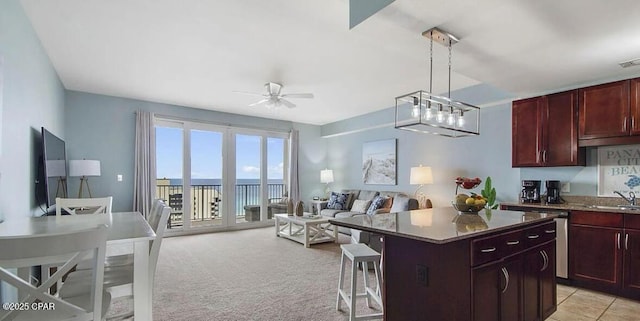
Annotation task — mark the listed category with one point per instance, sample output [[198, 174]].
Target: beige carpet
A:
[[248, 275]]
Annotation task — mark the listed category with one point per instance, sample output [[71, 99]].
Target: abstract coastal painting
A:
[[379, 162]]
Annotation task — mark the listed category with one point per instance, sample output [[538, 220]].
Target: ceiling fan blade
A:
[[287, 103], [259, 102], [302, 95], [249, 93]]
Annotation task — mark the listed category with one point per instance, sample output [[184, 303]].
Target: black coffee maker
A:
[[553, 192], [530, 191]]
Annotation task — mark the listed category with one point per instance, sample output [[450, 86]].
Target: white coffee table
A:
[[305, 229]]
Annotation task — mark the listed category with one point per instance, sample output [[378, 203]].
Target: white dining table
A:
[[124, 228]]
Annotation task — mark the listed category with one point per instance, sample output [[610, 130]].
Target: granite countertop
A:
[[591, 206], [441, 225]]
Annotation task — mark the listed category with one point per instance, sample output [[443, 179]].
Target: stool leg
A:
[[354, 277], [340, 282], [379, 283], [365, 279]]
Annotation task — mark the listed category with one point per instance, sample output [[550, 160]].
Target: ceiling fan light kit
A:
[[274, 98], [422, 111]]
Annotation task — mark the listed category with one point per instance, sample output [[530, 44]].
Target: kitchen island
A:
[[442, 265]]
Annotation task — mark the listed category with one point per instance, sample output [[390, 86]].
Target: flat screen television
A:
[[54, 161]]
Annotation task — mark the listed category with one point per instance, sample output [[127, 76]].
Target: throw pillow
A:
[[360, 206], [377, 203], [400, 203], [338, 201]]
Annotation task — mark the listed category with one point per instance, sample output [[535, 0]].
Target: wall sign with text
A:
[[618, 169]]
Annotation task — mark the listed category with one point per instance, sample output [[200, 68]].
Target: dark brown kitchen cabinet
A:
[[539, 282], [604, 110], [635, 106], [604, 252], [514, 268], [545, 131]]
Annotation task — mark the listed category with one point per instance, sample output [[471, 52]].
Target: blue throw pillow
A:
[[338, 201], [376, 203]]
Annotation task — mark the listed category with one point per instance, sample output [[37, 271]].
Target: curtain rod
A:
[[211, 122]]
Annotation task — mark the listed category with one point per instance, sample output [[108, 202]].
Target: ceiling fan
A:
[[274, 96]]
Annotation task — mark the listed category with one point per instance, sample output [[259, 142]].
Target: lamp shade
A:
[[56, 168], [326, 176], [84, 167], [421, 175]]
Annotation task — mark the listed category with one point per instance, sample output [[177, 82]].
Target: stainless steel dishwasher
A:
[[562, 241]]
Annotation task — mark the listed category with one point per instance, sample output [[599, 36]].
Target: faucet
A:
[[631, 199]]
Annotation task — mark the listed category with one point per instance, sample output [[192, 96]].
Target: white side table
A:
[[316, 206]]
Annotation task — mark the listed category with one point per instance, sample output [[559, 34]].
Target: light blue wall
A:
[[486, 155], [103, 128], [33, 96]]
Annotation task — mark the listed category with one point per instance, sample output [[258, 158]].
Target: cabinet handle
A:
[[544, 156], [533, 236], [626, 241], [549, 231], [624, 124], [545, 260], [633, 123], [513, 242], [492, 249], [506, 279], [618, 236]]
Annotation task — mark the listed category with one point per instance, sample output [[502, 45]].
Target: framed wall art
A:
[[379, 162], [618, 169]]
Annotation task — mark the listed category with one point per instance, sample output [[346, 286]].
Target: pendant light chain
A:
[[431, 64]]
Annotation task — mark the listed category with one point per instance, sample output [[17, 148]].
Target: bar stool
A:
[[359, 254]]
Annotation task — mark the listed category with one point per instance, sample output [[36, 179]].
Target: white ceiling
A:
[[197, 52]]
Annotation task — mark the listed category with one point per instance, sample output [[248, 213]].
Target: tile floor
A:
[[583, 305]]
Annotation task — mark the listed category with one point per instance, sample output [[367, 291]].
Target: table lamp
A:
[[326, 176], [421, 175], [84, 168]]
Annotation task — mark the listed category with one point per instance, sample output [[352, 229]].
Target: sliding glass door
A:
[[197, 163]]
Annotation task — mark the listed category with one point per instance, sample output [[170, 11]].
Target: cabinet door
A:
[[632, 263], [539, 282], [595, 256], [635, 106], [526, 125], [604, 110], [497, 291], [561, 130]]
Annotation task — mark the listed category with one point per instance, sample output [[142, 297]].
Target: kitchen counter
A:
[[592, 207], [441, 225]]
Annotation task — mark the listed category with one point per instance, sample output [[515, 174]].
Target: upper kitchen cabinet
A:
[[545, 131], [609, 113]]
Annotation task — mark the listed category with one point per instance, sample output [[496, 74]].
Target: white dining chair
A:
[[68, 247], [118, 279], [73, 206]]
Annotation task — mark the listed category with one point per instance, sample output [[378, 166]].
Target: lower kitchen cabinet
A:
[[604, 252], [501, 288]]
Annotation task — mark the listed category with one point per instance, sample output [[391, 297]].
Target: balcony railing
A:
[[207, 198]]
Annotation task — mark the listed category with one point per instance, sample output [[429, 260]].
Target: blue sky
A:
[[206, 155]]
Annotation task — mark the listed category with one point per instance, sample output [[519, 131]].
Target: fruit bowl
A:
[[465, 208]]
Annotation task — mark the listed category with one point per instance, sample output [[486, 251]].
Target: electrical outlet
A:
[[119, 178], [565, 187], [422, 275]]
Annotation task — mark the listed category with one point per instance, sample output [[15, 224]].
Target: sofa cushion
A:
[[330, 212], [338, 201], [353, 195], [376, 203], [400, 203], [367, 195], [347, 214], [360, 206]]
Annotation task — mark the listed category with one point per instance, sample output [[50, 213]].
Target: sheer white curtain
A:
[[145, 163], [294, 185]]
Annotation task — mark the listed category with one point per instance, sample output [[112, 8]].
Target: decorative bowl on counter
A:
[[465, 208]]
